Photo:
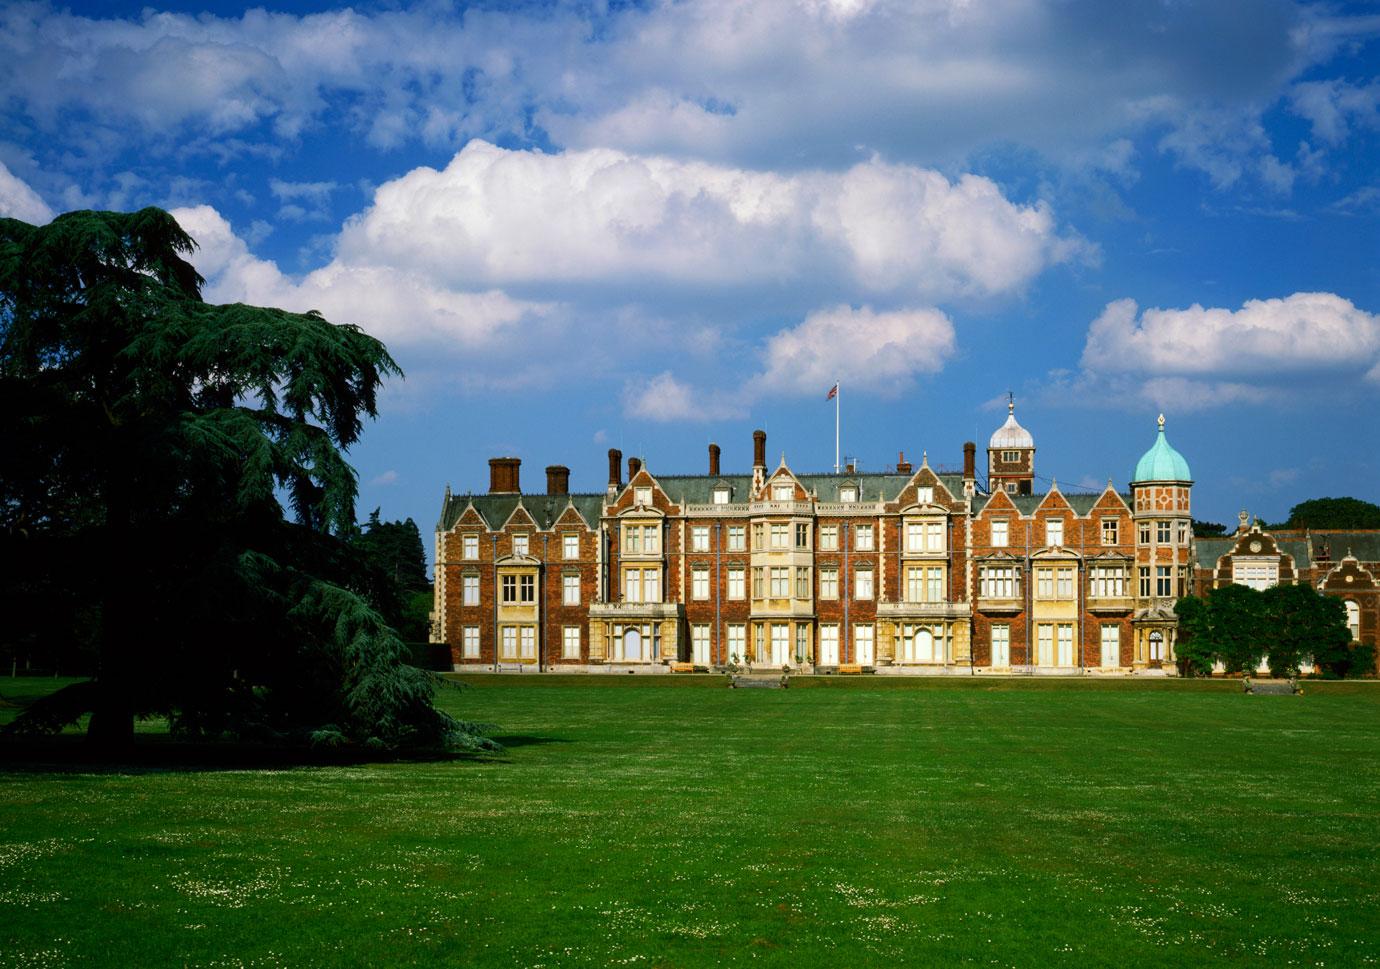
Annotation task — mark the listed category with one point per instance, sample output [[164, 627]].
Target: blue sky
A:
[[652, 226]]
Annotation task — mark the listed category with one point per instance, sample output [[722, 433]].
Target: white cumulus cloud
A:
[[19, 201], [663, 397]]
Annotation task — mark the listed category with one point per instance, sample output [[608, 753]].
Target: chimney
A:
[[902, 465], [557, 479], [714, 460], [969, 460], [759, 449], [503, 476], [634, 466], [852, 467], [615, 469]]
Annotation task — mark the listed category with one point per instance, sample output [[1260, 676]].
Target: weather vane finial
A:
[[1161, 422], [1010, 402]]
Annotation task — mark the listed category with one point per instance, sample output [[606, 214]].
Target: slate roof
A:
[[545, 509], [1081, 504], [698, 489]]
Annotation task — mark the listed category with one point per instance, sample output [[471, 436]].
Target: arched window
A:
[[1353, 620], [1156, 646]]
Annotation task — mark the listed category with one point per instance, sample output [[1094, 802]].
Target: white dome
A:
[[1011, 434]]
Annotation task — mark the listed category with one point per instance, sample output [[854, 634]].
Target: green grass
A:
[[672, 822]]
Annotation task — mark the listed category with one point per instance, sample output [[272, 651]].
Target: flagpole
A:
[[838, 394]]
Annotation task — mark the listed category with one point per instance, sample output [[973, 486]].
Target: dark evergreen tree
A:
[[1236, 632], [1340, 513], [1203, 529], [149, 436], [1194, 648]]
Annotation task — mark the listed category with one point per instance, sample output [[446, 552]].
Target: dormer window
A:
[[924, 495], [720, 496], [848, 493], [519, 544], [642, 496], [783, 491]]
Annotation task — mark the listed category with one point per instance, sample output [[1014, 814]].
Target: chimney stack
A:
[[969, 460], [759, 449], [634, 466], [714, 460], [902, 465], [557, 479], [615, 469], [503, 476]]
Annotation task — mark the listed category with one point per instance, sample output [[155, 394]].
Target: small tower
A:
[[1161, 505], [1011, 457]]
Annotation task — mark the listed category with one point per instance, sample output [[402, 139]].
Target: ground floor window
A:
[[780, 644], [637, 644], [1001, 644], [1156, 646], [802, 643], [699, 643], [737, 642], [829, 645], [922, 644], [1065, 631], [470, 642], [570, 642], [1111, 644], [862, 644], [1353, 620]]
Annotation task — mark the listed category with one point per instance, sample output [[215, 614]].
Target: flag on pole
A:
[[833, 392]]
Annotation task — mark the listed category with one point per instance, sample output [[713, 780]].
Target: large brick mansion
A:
[[912, 570]]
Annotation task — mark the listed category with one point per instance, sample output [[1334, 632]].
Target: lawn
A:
[[673, 822]]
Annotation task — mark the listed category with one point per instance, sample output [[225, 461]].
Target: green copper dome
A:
[[1162, 462]]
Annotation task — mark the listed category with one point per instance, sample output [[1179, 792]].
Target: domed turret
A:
[[1162, 462], [1011, 456]]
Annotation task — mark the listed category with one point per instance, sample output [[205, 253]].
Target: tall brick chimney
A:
[[902, 465], [503, 476], [969, 468], [759, 449], [634, 466], [615, 469], [714, 460], [557, 479]]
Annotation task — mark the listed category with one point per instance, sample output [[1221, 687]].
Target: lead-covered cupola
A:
[[1162, 462], [1011, 457]]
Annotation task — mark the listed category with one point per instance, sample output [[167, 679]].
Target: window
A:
[[1164, 581], [527, 588], [848, 493], [1044, 583], [736, 583], [1000, 536], [828, 538], [469, 547], [699, 582], [828, 645], [470, 640], [632, 539], [1183, 533], [1001, 644], [828, 583], [1163, 530], [924, 584], [469, 590], [780, 582], [1144, 532], [1156, 646], [802, 642], [759, 582], [802, 583], [934, 585], [759, 535], [570, 545], [1111, 645], [1010, 487], [934, 536], [570, 589], [780, 535], [737, 538], [915, 585], [1064, 586], [642, 496], [699, 538], [509, 586], [1145, 582], [862, 644], [651, 538], [570, 642], [737, 641], [1353, 619], [720, 496], [780, 644], [699, 643], [1257, 575], [1054, 531], [1109, 531], [924, 495], [529, 642], [1106, 582], [1010, 457], [508, 634], [783, 491], [862, 584], [999, 582], [1065, 631], [802, 535], [520, 544], [642, 585], [862, 538], [1044, 644]]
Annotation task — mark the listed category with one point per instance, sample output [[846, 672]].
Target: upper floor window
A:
[[780, 535], [520, 544], [848, 493], [570, 589], [1164, 581], [828, 583], [737, 538], [1163, 531], [862, 538], [780, 582], [1109, 531], [1106, 582], [1144, 532], [828, 538], [518, 588], [1010, 457], [469, 590], [759, 535], [862, 584], [1044, 583], [1257, 575], [699, 538], [570, 545], [1010, 487], [1064, 584], [641, 538], [699, 583], [1183, 533], [469, 547], [1000, 535], [1054, 531], [642, 496], [802, 583], [642, 585], [720, 496], [924, 494], [999, 582], [802, 535], [782, 491], [737, 588]]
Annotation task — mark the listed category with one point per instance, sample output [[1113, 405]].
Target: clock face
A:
[[1255, 546]]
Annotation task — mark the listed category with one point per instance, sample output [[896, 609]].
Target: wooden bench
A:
[[850, 669], [682, 667]]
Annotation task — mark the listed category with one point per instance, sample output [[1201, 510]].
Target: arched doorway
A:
[[632, 645]]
